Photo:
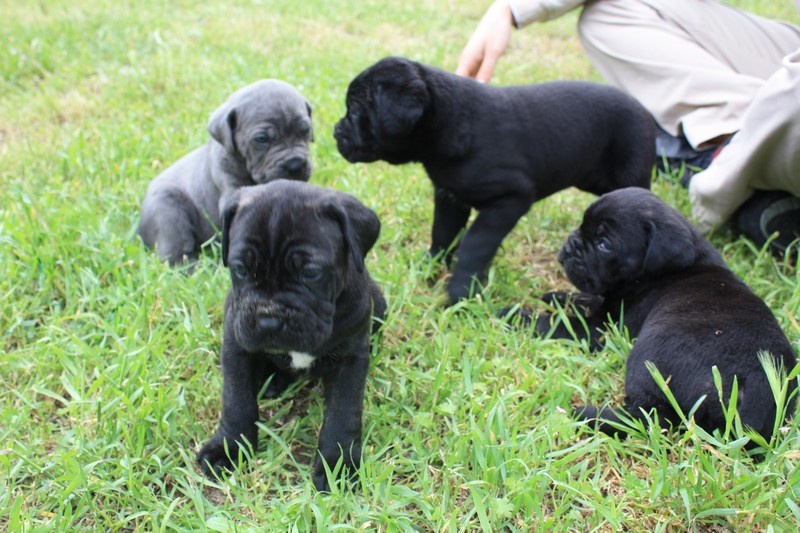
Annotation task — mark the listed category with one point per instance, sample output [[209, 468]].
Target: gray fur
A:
[[260, 134]]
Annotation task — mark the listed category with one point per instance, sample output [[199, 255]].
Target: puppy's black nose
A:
[[268, 322], [295, 166]]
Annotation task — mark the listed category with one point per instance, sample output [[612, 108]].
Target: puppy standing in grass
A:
[[642, 263], [301, 301], [496, 150], [260, 134]]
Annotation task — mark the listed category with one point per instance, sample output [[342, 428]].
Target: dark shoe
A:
[[676, 153], [769, 212]]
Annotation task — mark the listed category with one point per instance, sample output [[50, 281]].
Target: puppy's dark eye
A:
[[265, 137], [304, 131], [604, 246], [312, 273], [239, 270]]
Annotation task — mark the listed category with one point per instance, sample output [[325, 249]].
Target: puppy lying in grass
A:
[[641, 264]]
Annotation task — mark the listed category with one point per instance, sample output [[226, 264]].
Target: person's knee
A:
[[612, 17], [597, 14], [600, 22]]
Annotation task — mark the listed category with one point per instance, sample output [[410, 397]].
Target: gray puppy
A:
[[260, 134]]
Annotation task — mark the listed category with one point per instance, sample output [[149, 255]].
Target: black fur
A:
[[496, 150], [643, 264], [296, 256]]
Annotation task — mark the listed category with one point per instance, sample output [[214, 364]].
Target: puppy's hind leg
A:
[[449, 218], [174, 226], [481, 242]]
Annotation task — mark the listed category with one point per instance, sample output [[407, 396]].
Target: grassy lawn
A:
[[109, 371]]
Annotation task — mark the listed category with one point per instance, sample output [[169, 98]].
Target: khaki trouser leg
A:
[[764, 154], [696, 65]]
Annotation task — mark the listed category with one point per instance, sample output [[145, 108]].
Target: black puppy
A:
[[642, 263], [301, 301], [497, 150]]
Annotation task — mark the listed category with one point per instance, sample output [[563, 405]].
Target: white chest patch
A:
[[301, 360]]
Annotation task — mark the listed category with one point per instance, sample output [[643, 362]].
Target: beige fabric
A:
[[706, 70], [765, 154], [527, 11], [695, 64]]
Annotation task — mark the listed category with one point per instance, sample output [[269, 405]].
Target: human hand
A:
[[487, 44]]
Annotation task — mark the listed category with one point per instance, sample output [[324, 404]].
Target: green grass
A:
[[110, 377]]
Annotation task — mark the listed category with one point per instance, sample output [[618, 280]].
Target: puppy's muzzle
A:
[[569, 250], [573, 260], [295, 167], [344, 143], [268, 322], [259, 323], [338, 134]]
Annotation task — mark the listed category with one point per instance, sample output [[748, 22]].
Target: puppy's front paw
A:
[[441, 255], [461, 287], [548, 324], [584, 412], [432, 267], [219, 454], [523, 318], [605, 420], [556, 298], [584, 303], [351, 461], [516, 316]]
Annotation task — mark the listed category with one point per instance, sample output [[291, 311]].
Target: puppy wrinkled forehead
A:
[[283, 210], [623, 207], [597, 215], [358, 89], [388, 70]]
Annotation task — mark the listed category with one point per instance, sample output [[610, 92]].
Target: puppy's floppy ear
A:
[[222, 126], [308, 109], [399, 106], [228, 213], [359, 225], [670, 244]]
